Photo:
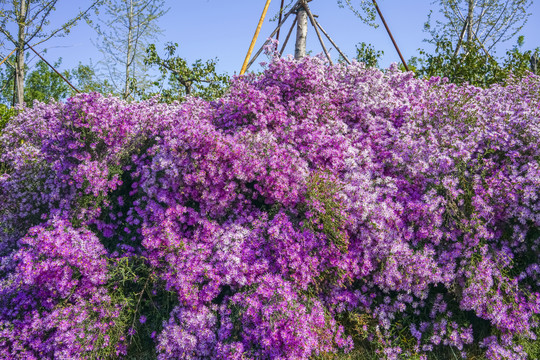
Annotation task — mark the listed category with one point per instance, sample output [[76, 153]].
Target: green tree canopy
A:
[[178, 79]]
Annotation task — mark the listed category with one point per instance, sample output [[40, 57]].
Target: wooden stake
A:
[[314, 24], [333, 43], [7, 57], [254, 40], [280, 16], [287, 38], [271, 36]]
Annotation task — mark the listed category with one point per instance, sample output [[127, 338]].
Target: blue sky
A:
[[222, 29]]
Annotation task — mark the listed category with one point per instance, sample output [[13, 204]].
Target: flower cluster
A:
[[311, 210], [54, 285]]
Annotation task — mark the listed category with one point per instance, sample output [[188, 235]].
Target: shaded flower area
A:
[[312, 211]]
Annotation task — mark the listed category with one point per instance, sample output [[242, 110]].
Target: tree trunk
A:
[[19, 57], [301, 34], [534, 63], [470, 16], [127, 89]]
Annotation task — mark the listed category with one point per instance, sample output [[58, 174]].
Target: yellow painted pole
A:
[[248, 56], [8, 56]]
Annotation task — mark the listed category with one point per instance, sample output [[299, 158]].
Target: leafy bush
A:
[[311, 211], [6, 113]]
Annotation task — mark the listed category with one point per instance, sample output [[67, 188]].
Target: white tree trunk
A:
[[301, 34], [19, 58]]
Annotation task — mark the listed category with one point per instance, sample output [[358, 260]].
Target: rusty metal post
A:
[[389, 33], [52, 67]]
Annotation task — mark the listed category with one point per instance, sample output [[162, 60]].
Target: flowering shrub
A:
[[312, 210]]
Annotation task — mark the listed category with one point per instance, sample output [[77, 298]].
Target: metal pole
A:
[[389, 33], [56, 71], [254, 40]]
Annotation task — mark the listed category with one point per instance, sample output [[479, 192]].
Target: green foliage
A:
[[532, 347], [367, 54], [179, 80], [44, 84], [6, 113], [365, 10], [325, 209], [7, 73], [134, 290], [518, 62], [473, 65]]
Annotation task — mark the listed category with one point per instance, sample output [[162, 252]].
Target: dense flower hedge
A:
[[314, 209]]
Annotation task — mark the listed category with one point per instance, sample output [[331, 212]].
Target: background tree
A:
[[473, 65], [367, 54], [7, 76], [5, 114], [87, 80], [179, 80], [25, 21], [124, 32], [487, 22], [41, 83]]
